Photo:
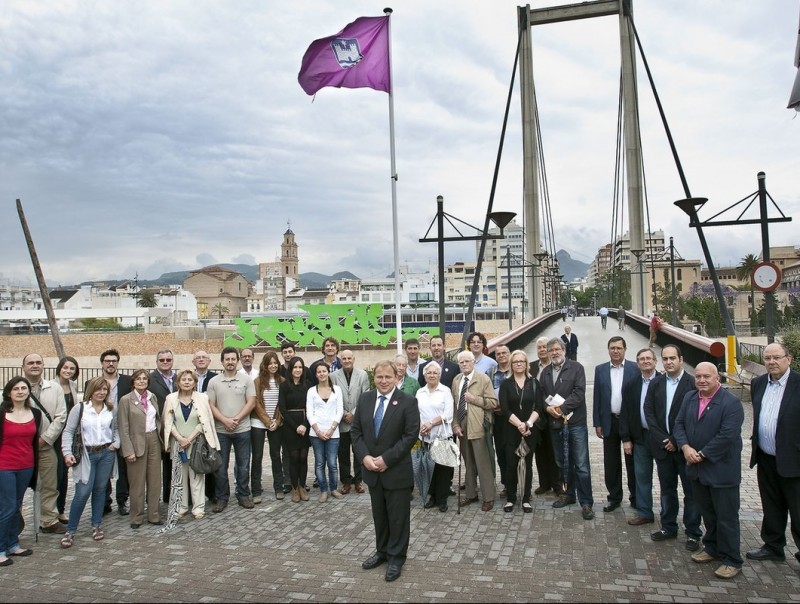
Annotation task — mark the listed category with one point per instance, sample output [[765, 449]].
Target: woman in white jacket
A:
[[324, 410], [187, 414]]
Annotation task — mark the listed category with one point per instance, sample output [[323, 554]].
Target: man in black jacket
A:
[[664, 398]]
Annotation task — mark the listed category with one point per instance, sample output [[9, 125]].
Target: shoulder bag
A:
[[205, 458], [445, 452]]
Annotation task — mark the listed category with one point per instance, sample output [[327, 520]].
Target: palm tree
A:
[[147, 299], [220, 309], [743, 273]]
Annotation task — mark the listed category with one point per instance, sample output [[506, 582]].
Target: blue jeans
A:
[[580, 473], [643, 468], [325, 452], [102, 463], [670, 469], [241, 470], [12, 490]]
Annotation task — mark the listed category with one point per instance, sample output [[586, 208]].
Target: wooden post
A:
[[37, 269]]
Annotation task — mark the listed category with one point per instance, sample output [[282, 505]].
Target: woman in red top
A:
[[19, 457]]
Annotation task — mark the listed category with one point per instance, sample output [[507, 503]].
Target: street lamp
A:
[[501, 219]]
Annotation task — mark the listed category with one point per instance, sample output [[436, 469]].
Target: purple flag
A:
[[356, 57]]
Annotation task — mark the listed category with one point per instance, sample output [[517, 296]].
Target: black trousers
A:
[[122, 482], [439, 490], [499, 437], [779, 497], [612, 466], [546, 466], [345, 445], [166, 476], [719, 507], [391, 514]]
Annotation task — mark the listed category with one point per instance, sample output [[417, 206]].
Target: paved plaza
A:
[[313, 552]]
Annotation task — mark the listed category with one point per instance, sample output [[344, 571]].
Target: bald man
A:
[[708, 431]]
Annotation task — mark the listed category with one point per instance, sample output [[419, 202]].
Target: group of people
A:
[[142, 429]]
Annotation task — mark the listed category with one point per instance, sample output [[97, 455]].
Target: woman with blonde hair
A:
[[187, 414], [522, 404], [140, 440], [93, 424]]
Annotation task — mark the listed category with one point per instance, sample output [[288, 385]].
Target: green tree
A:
[[743, 272], [147, 299], [220, 309]]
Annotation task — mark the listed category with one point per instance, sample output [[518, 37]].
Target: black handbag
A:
[[205, 458]]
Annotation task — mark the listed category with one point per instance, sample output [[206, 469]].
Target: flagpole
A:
[[397, 292]]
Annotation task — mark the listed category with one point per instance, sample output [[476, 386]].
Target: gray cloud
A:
[[159, 136]]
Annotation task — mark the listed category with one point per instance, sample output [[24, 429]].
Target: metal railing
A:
[[6, 373]]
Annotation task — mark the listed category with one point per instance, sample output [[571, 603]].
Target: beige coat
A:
[[200, 399], [132, 420], [479, 412]]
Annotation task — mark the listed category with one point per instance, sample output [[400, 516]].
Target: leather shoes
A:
[[692, 544], [56, 527], [393, 573], [587, 512], [374, 561], [429, 504], [727, 572], [487, 506], [563, 501], [542, 490], [123, 509], [764, 553], [135, 525], [611, 507], [359, 488], [663, 535], [465, 501], [443, 507], [345, 490], [640, 520]]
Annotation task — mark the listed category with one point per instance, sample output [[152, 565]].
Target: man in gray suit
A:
[[352, 382]]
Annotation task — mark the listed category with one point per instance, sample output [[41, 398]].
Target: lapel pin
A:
[[394, 402]]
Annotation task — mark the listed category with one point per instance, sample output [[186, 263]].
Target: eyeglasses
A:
[[164, 360], [775, 358], [111, 362]]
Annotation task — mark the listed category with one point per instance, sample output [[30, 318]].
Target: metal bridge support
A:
[[530, 144]]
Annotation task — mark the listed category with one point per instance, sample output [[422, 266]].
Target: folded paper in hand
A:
[[555, 400]]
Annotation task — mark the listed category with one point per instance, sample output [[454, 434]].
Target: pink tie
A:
[[144, 400]]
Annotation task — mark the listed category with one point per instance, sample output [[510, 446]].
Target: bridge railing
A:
[[695, 348], [522, 335]]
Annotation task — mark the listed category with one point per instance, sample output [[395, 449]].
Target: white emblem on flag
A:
[[347, 51]]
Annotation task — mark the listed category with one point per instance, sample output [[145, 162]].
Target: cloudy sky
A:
[[151, 136]]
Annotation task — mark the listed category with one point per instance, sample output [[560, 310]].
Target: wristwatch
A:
[[530, 423]]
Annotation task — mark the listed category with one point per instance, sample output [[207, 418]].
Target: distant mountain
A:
[[250, 272], [571, 269]]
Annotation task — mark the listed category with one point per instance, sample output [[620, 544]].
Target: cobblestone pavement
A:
[[312, 552]]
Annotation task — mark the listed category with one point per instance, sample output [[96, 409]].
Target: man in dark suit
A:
[[449, 369], [118, 386], [546, 467], [662, 405], [201, 361], [162, 383], [634, 433], [609, 380], [385, 427], [566, 379], [776, 450], [708, 431], [570, 343]]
